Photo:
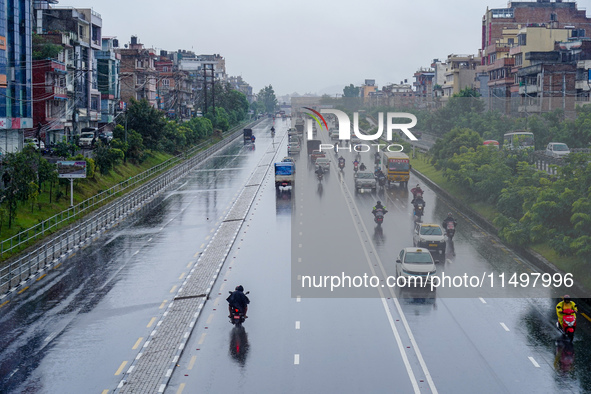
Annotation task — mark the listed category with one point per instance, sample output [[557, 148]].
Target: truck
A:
[[247, 135], [396, 166], [313, 145], [284, 175]]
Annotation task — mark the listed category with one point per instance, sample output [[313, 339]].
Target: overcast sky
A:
[[307, 45]]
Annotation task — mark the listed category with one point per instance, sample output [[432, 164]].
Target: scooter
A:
[[569, 323]]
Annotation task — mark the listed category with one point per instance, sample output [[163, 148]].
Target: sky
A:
[[306, 46]]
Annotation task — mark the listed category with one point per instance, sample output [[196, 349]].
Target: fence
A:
[[21, 268]]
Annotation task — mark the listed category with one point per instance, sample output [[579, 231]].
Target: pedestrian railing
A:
[[19, 269]]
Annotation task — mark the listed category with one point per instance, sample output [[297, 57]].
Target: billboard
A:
[[71, 169]]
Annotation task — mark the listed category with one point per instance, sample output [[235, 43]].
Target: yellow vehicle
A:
[[396, 166]]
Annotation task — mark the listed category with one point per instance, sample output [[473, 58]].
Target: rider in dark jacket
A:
[[378, 207], [238, 300], [362, 167], [448, 219]]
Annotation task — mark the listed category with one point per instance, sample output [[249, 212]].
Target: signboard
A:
[[71, 169]]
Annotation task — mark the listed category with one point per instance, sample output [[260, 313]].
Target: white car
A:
[[557, 149], [429, 236], [416, 262], [293, 147], [324, 163]]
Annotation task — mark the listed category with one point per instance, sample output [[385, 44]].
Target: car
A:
[[324, 163], [293, 147], [288, 159], [429, 236], [316, 154], [416, 262], [294, 138], [365, 180], [86, 139], [38, 144], [334, 134], [557, 149], [106, 136]]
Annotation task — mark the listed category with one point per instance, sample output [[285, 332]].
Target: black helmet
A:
[[239, 288], [566, 298], [449, 214], [418, 185], [379, 203]]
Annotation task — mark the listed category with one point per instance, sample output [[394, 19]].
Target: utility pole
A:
[[75, 109], [213, 89]]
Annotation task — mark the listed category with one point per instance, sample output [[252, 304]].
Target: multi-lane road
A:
[[78, 329]]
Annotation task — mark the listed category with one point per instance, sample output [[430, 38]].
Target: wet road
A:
[[78, 329]]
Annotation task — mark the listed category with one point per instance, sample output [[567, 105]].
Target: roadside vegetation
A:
[[32, 192]]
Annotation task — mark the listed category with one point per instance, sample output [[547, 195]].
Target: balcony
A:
[[529, 89], [57, 92]]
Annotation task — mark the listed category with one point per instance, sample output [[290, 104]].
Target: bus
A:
[[396, 167], [518, 140]]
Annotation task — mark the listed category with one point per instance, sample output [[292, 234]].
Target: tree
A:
[[267, 97], [43, 48], [351, 91], [146, 120]]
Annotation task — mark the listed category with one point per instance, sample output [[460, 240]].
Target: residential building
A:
[[16, 109], [188, 61], [557, 14], [138, 72], [50, 100], [368, 87], [438, 77], [460, 71], [108, 63], [79, 31], [174, 87], [240, 85]]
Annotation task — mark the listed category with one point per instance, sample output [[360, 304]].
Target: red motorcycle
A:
[[569, 323]]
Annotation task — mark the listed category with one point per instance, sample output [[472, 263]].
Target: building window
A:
[[165, 69], [522, 39], [166, 82]]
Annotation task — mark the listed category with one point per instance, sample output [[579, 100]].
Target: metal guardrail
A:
[[41, 229], [18, 270]]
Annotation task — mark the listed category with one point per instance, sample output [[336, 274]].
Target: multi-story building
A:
[[138, 74], [438, 77], [108, 63], [460, 72], [558, 15], [367, 88], [78, 30], [174, 88], [50, 100], [16, 109], [423, 85], [188, 61], [240, 85]]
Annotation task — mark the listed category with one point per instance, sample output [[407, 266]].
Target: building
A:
[[367, 88], [460, 73], [50, 100], [557, 14], [79, 31], [108, 64], [240, 85], [174, 88], [188, 61], [438, 77], [138, 72], [423, 86], [16, 90]]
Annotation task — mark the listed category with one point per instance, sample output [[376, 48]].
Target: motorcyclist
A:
[[355, 163], [379, 173], [379, 207], [336, 148], [252, 139], [418, 200], [238, 300], [377, 159], [319, 170], [448, 219], [362, 167], [342, 162], [566, 303], [416, 190]]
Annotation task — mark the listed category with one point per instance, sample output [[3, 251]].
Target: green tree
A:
[[351, 91], [146, 120], [44, 48], [267, 97]]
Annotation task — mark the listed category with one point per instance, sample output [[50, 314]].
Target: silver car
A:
[[416, 262], [324, 163]]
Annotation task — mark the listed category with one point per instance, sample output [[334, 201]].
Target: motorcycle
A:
[[450, 231], [569, 323], [379, 217], [319, 175], [355, 167], [237, 317], [341, 164], [382, 180], [419, 210]]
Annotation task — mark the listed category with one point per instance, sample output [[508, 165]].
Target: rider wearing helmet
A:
[[238, 300], [566, 303], [448, 219], [379, 207], [416, 191], [362, 167]]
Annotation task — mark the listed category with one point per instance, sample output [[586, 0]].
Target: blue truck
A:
[[284, 175]]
